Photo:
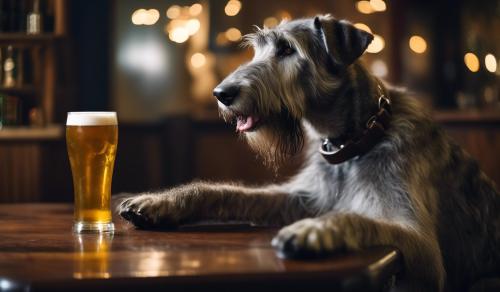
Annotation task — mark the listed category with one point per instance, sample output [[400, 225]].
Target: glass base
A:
[[93, 227]]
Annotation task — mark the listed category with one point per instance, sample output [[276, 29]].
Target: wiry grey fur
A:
[[416, 190]]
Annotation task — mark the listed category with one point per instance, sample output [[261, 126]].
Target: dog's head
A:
[[294, 67]]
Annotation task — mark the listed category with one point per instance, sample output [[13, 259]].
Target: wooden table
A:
[[39, 252]]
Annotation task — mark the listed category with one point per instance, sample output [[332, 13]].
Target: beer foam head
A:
[[91, 119]]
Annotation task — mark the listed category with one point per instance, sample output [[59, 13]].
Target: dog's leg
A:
[[207, 201], [317, 236]]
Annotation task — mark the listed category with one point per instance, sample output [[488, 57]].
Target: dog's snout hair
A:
[[290, 68]]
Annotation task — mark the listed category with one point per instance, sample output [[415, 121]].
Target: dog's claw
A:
[[287, 247], [126, 214], [139, 220], [149, 211]]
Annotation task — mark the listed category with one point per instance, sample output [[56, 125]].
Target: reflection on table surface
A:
[[92, 255], [38, 247]]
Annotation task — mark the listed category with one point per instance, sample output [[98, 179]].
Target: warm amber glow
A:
[[285, 15], [378, 5], [490, 63], [92, 256], [270, 22], [195, 9], [221, 39], [179, 30], [472, 62], [178, 34], [232, 8], [173, 24], [173, 12], [379, 68], [233, 34], [137, 16], [153, 16], [198, 60], [364, 7], [376, 45], [363, 26], [145, 17], [418, 44], [192, 26]]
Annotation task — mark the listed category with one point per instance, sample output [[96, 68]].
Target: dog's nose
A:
[[227, 94]]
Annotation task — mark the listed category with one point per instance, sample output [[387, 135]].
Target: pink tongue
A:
[[245, 123]]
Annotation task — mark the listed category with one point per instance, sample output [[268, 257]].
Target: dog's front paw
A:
[[149, 211], [308, 238]]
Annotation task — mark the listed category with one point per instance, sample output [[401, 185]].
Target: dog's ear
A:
[[342, 40]]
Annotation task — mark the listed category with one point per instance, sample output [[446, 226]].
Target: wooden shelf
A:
[[23, 38], [24, 89], [51, 132]]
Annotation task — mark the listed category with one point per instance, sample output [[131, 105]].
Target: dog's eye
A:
[[285, 51]]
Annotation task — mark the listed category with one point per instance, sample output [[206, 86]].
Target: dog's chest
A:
[[354, 191]]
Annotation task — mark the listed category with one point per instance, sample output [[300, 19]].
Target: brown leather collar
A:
[[374, 132]]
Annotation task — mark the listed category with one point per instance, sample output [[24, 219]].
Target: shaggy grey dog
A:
[[414, 189]]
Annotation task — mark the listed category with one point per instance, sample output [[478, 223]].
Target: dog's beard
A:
[[277, 140]]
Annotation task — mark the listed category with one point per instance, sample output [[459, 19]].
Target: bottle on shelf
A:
[[9, 68], [34, 23]]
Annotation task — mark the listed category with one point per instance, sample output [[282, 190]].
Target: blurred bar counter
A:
[[483, 116], [478, 132], [52, 132], [34, 164]]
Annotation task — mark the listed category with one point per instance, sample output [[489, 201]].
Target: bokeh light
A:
[[233, 34], [472, 62], [378, 5], [198, 60], [364, 7], [376, 45], [490, 62], [363, 26], [173, 12], [232, 8], [195, 9], [178, 34], [192, 26], [418, 44], [145, 17]]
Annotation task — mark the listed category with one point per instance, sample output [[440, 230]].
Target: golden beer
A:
[[92, 139]]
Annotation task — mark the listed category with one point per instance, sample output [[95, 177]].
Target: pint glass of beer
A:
[[92, 138]]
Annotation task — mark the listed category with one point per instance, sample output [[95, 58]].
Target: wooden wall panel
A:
[[222, 157], [19, 172], [139, 160]]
